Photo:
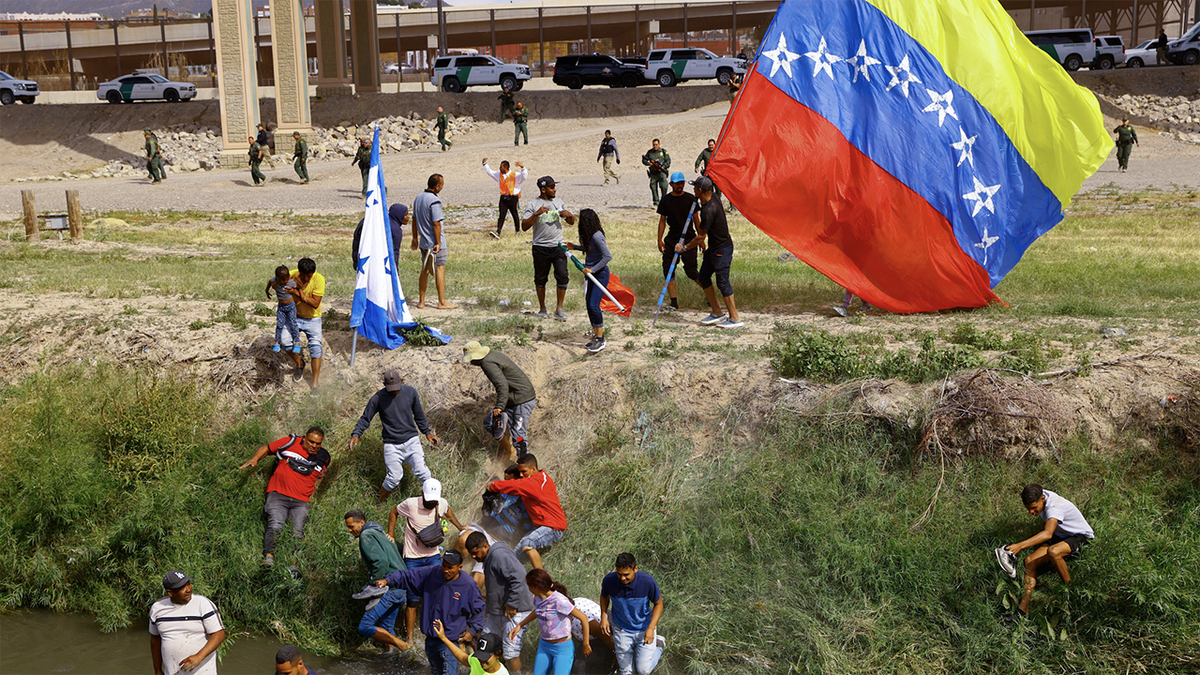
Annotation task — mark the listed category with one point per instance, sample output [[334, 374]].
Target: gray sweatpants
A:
[[278, 509]]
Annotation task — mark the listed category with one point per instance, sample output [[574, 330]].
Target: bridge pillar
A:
[[288, 42], [332, 79], [364, 45], [236, 79]]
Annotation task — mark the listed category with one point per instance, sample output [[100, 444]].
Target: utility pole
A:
[[441, 30]]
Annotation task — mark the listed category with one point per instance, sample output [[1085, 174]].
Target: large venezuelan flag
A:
[[910, 150]]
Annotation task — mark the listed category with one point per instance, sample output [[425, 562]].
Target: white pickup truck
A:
[[668, 67]]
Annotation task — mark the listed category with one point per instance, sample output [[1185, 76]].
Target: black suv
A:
[[575, 71]]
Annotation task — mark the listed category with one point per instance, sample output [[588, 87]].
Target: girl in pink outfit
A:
[[553, 608]]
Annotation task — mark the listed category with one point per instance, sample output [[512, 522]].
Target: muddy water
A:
[[45, 643]]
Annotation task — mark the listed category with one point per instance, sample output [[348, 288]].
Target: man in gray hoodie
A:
[[381, 557], [508, 598]]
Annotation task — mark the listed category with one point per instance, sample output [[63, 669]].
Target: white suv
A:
[[145, 87], [456, 73], [670, 66], [1110, 52], [13, 89]]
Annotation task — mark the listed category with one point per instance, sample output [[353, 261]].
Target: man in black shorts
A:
[[718, 256], [1065, 532], [545, 216], [673, 211]]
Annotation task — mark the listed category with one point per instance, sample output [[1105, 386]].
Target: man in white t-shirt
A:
[[1066, 531], [420, 513], [185, 630], [544, 216]]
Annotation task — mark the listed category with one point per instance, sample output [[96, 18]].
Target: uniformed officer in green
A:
[[520, 124], [300, 157], [702, 162], [362, 157], [154, 162], [506, 104], [1126, 139], [443, 124], [658, 162], [256, 158]]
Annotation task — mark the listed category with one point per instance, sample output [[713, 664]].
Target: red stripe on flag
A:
[[792, 173], [621, 293]]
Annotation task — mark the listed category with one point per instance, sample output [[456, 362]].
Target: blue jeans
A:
[[383, 614], [631, 647], [554, 657], [285, 317], [312, 329], [594, 295], [441, 659]]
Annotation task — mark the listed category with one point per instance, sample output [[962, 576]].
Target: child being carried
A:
[[285, 312]]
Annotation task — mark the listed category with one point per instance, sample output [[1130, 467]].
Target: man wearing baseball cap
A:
[[673, 211], [185, 629], [718, 256], [485, 658], [399, 409], [544, 216], [449, 597], [508, 420]]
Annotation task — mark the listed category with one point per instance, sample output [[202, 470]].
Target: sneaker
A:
[[542, 314], [596, 345], [495, 235], [296, 348], [840, 310], [711, 319], [1008, 562], [370, 591], [729, 323], [294, 571], [298, 374], [560, 315], [268, 561], [275, 348], [371, 604], [660, 641]]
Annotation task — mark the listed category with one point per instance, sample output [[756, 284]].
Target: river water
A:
[[45, 643]]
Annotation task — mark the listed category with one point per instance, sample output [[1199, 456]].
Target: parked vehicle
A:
[[456, 73], [670, 66], [145, 87], [397, 68], [1145, 54], [1186, 50], [1073, 48], [573, 72], [13, 89], [1110, 52], [634, 60]]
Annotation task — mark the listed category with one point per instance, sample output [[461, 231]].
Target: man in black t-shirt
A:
[[673, 211], [718, 256]]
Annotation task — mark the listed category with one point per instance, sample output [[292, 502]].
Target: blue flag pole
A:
[[671, 272]]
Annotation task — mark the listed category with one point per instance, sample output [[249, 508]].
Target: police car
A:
[[13, 89], [670, 66], [456, 73], [145, 86]]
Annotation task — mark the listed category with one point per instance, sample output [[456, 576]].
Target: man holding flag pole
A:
[[676, 211], [379, 311]]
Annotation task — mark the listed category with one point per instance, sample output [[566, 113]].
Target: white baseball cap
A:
[[432, 490]]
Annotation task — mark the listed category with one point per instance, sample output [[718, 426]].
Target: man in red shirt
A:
[[300, 464], [540, 497]]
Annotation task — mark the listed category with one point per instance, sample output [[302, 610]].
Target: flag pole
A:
[[353, 347], [671, 272], [591, 278]]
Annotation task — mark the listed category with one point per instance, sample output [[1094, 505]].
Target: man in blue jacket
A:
[[381, 557], [449, 596]]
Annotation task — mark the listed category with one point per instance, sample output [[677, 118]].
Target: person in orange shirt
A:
[[540, 497], [510, 192]]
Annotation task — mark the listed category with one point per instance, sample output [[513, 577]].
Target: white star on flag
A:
[[964, 146], [986, 244], [982, 196], [781, 57], [908, 76], [861, 62], [822, 60], [943, 104]]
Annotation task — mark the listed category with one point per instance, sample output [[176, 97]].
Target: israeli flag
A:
[[379, 311]]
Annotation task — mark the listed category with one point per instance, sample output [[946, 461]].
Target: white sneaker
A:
[[1008, 562], [660, 642], [727, 323], [839, 310], [494, 235], [711, 319]]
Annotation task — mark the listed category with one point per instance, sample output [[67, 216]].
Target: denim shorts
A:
[[312, 329], [541, 538]]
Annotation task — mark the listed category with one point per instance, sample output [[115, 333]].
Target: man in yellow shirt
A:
[[310, 289]]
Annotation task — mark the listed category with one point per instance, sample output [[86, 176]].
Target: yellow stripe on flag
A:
[[1054, 123]]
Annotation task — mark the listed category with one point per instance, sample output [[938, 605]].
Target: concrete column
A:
[[332, 79], [291, 69], [364, 45], [236, 78]]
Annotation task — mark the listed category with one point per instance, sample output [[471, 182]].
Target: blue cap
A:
[[678, 177]]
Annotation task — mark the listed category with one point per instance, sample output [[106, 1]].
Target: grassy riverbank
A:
[[793, 553]]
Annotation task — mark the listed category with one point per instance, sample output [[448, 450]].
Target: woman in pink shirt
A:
[[553, 608]]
